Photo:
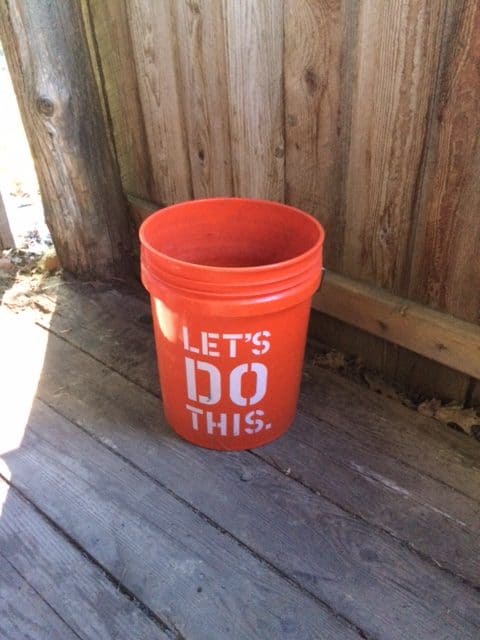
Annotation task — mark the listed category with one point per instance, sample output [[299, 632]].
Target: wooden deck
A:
[[362, 522]]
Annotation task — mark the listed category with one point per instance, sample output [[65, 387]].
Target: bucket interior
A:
[[231, 233]]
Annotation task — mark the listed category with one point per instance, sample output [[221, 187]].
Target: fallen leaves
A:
[[452, 414]]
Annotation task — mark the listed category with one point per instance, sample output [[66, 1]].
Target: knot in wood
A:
[[45, 106], [311, 80]]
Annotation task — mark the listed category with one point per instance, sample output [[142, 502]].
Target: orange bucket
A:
[[230, 281]]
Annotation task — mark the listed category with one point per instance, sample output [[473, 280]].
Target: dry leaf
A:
[[331, 359]]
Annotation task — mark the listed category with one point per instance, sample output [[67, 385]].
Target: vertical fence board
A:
[[201, 46], [153, 40], [318, 64], [254, 43], [397, 56], [118, 77], [446, 236], [446, 255]]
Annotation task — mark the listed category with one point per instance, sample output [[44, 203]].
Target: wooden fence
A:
[[365, 113]]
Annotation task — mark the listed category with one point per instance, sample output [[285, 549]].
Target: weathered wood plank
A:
[[436, 450], [87, 604], [445, 264], [265, 501], [254, 42], [23, 614], [420, 376], [447, 231], [91, 321], [319, 44], [427, 505], [118, 75], [85, 208], [202, 67], [421, 442], [398, 51], [431, 518], [435, 335], [154, 48], [399, 148], [192, 575]]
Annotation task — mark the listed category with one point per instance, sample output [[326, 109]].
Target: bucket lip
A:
[[233, 270]]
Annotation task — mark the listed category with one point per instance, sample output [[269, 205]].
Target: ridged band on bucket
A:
[[221, 250]]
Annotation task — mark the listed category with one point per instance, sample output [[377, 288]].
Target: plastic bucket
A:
[[231, 282]]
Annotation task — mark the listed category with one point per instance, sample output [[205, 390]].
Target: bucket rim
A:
[[237, 270]]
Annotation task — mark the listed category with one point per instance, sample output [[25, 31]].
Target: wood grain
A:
[[364, 114], [430, 447], [135, 429], [445, 263], [119, 81], [435, 335], [202, 69], [86, 603], [418, 376], [85, 209], [398, 51], [23, 614], [426, 504], [394, 497], [437, 450], [156, 60], [163, 551], [254, 42], [319, 48]]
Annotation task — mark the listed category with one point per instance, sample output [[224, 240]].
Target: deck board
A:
[[425, 444], [365, 575], [339, 527], [393, 494], [23, 614], [61, 594], [102, 321], [198, 580]]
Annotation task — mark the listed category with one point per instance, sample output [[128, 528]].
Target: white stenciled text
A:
[[243, 384]]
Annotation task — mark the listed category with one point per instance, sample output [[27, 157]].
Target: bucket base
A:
[[230, 443], [232, 446]]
